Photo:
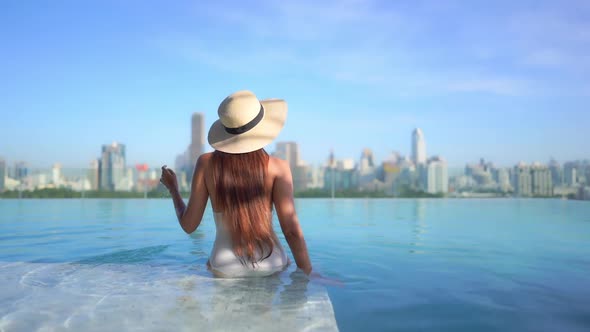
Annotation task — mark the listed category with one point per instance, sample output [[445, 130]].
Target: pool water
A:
[[438, 264]]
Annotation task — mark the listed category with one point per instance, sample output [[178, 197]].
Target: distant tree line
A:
[[405, 192]]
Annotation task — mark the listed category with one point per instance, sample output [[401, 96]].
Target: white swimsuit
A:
[[224, 262]]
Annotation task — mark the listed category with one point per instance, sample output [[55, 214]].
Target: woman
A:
[[243, 183]]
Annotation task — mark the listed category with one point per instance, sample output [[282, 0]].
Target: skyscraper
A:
[[367, 161], [556, 173], [2, 173], [418, 147], [331, 159], [197, 138], [56, 175], [112, 166], [180, 162], [344, 176], [367, 170], [315, 177], [570, 174], [21, 170], [523, 185], [391, 169], [502, 178], [93, 174], [437, 177], [542, 182], [186, 161]]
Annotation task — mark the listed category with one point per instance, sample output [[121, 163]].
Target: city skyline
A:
[[272, 148], [415, 176], [504, 81], [289, 151]]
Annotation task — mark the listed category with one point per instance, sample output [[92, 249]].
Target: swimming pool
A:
[[471, 265]]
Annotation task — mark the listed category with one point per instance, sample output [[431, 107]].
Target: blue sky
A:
[[503, 80]]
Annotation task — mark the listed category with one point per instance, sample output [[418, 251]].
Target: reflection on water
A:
[[418, 225], [419, 206]]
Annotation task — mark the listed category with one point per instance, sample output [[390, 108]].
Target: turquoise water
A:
[[454, 265]]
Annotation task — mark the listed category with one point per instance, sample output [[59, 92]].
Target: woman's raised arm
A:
[[189, 216]]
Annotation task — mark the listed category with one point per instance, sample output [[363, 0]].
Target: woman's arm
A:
[[189, 216], [282, 196]]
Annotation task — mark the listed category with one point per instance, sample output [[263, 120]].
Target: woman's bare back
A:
[[279, 185]]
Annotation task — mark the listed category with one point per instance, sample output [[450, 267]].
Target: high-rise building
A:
[[343, 176], [300, 177], [2, 174], [556, 172], [542, 182], [389, 171], [93, 174], [367, 170], [367, 161], [502, 177], [186, 161], [437, 176], [182, 182], [570, 173], [21, 170], [56, 175], [197, 138], [331, 159], [180, 163], [126, 181], [315, 177], [418, 147], [112, 166], [523, 184], [481, 173], [39, 180]]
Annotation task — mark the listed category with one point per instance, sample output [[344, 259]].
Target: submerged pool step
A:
[[129, 297]]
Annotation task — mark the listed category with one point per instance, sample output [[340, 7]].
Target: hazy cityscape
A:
[[416, 175]]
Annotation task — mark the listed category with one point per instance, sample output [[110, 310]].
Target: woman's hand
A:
[[168, 179]]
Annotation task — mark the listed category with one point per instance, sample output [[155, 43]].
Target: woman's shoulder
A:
[[278, 166], [205, 157], [204, 161], [277, 162]]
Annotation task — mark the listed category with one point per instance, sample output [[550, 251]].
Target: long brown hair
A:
[[240, 193]]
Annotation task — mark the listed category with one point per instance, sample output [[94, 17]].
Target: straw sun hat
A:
[[246, 124]]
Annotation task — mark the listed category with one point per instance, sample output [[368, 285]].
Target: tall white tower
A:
[[418, 147], [367, 164]]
